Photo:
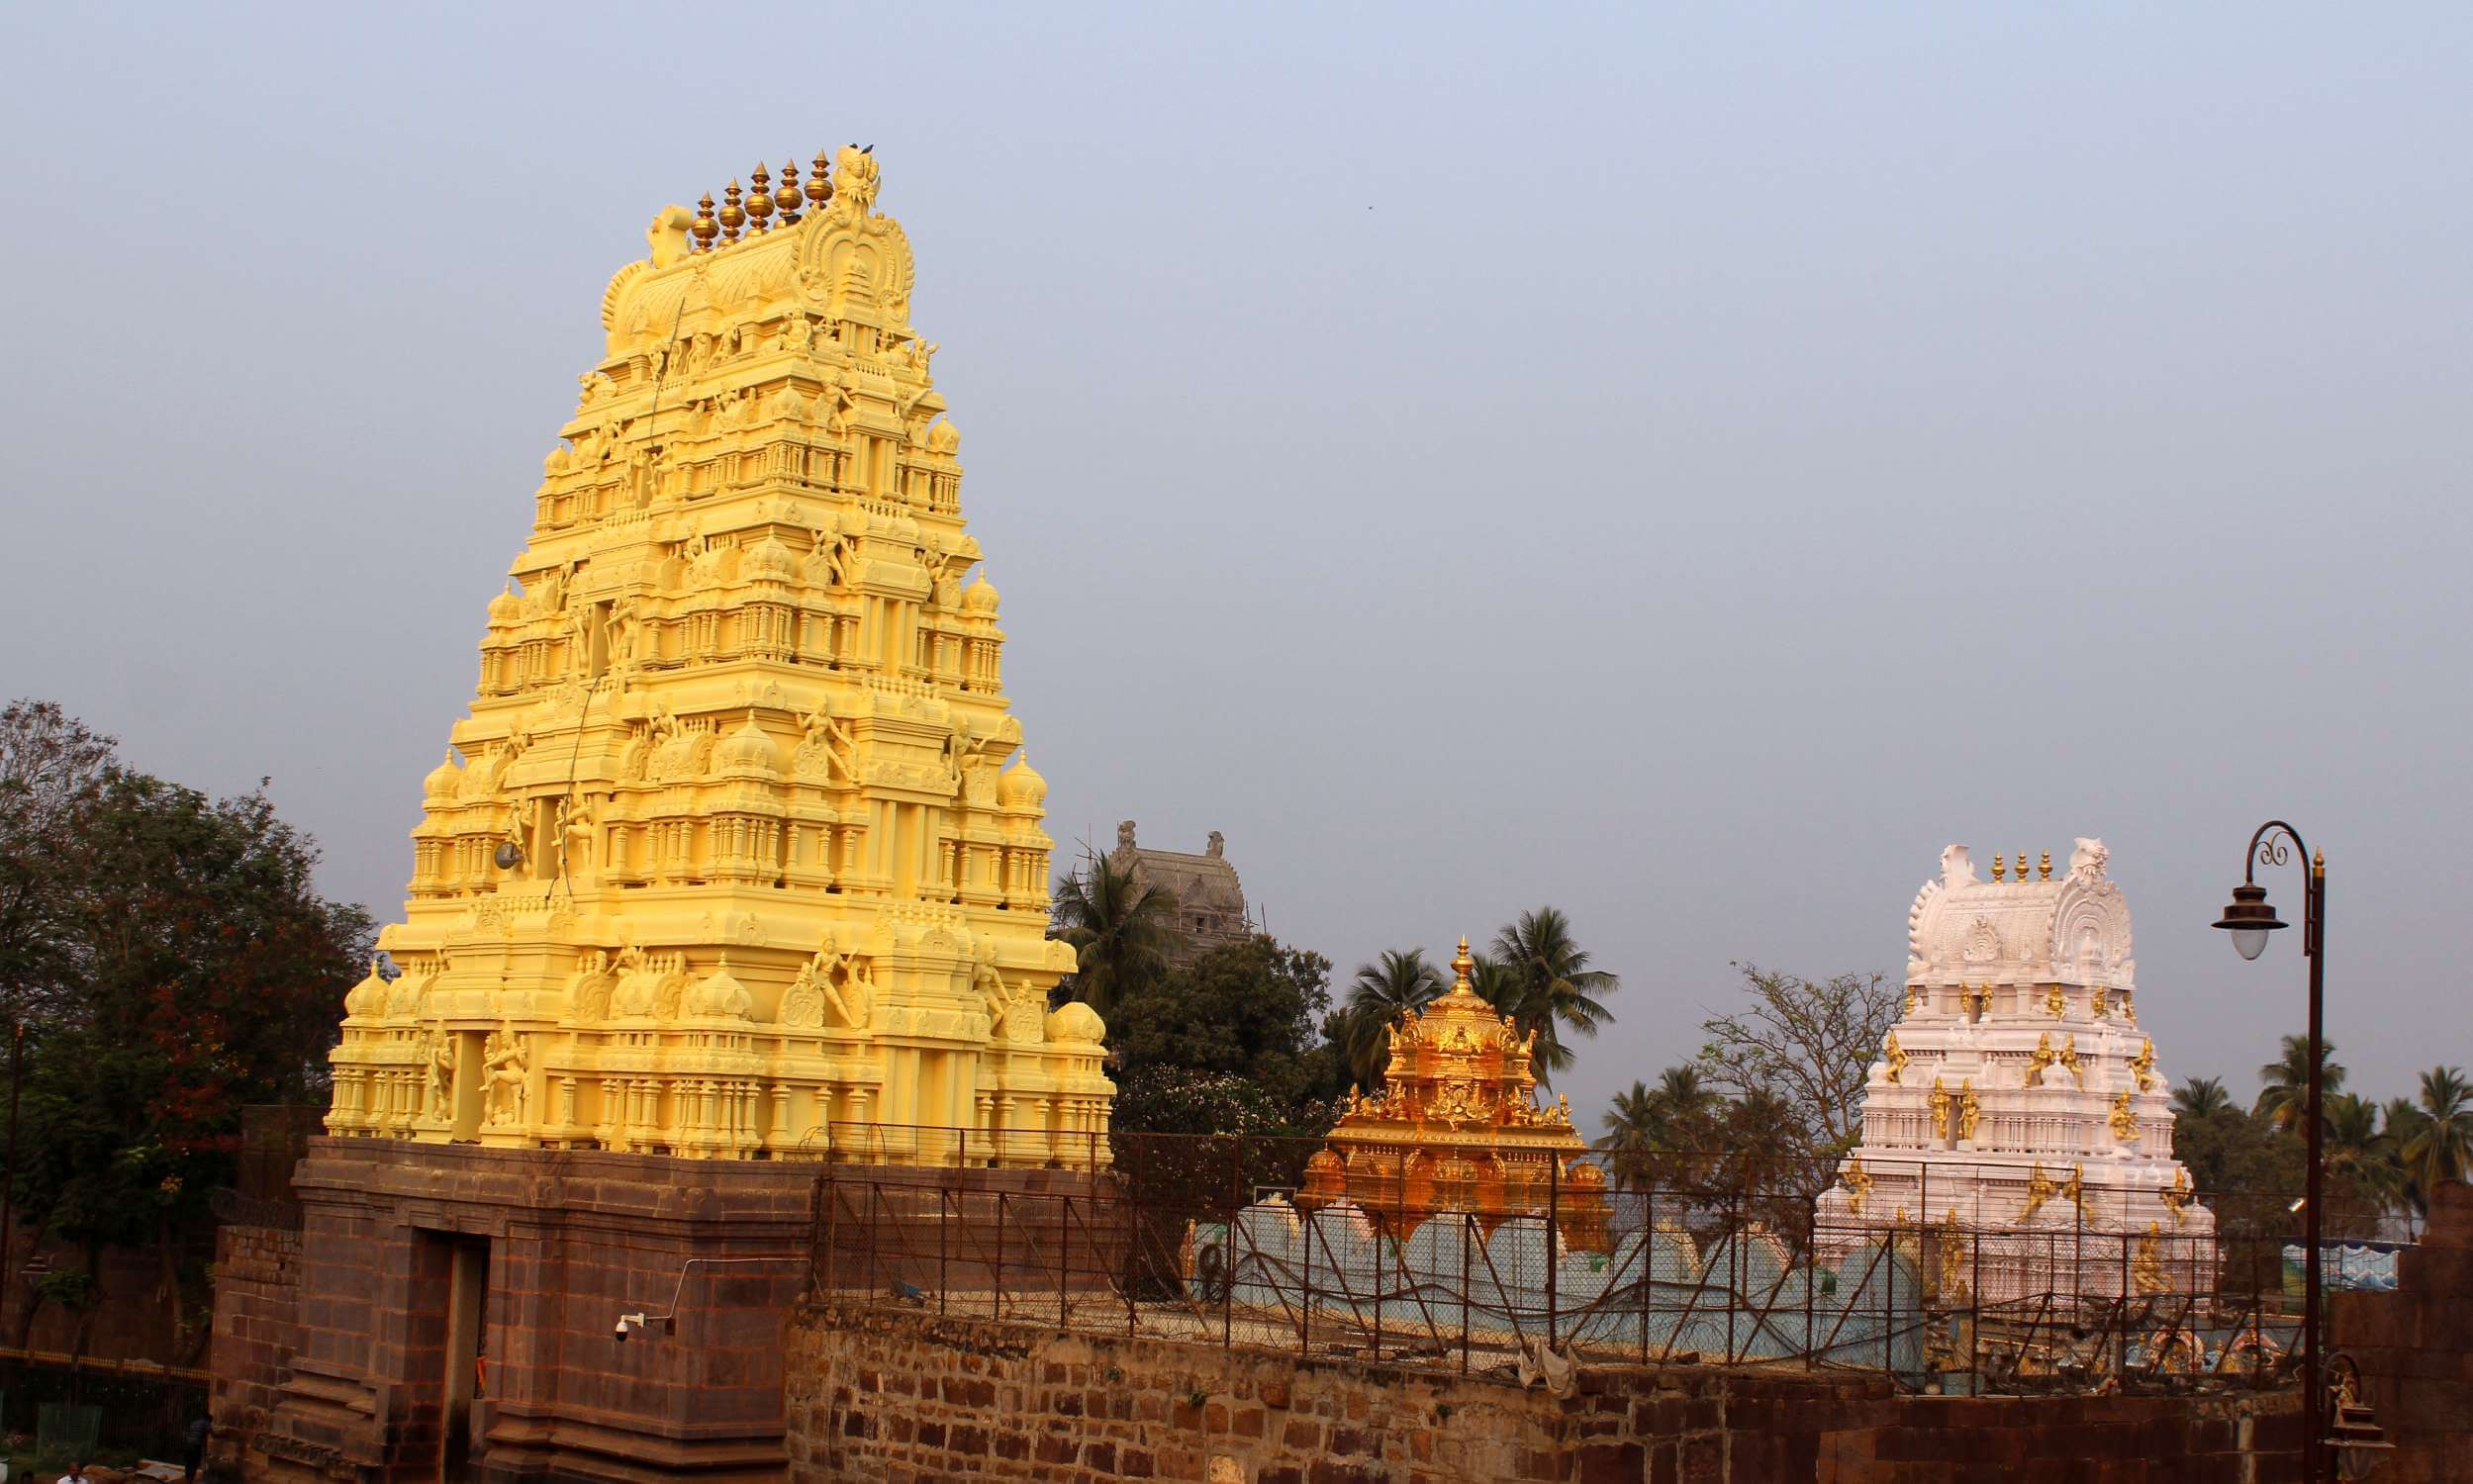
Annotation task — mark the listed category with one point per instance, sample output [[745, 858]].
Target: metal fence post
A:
[[1064, 1253], [1553, 1260], [944, 1223], [995, 1284]]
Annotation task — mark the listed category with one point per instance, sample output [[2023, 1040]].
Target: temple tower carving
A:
[[737, 841], [2017, 1096]]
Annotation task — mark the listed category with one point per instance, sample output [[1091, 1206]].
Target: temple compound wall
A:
[[735, 848], [888, 1397]]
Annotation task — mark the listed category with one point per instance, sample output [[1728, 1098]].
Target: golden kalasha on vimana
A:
[[737, 842], [1456, 1128]]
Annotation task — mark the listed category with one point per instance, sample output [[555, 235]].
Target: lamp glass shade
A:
[[2249, 942]]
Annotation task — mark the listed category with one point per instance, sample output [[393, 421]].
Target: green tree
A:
[[1123, 930], [195, 971], [51, 768], [1810, 1042], [1662, 1137], [2437, 1140], [2200, 1097], [1551, 989], [1381, 996], [2285, 1097], [2365, 1176], [1246, 1010]]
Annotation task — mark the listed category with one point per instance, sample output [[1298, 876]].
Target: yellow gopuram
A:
[[1456, 1129], [728, 852]]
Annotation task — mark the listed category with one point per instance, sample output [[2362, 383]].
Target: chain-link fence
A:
[[2031, 1278]]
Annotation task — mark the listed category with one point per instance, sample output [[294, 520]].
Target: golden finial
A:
[[2045, 872], [787, 198], [733, 217], [706, 228], [820, 182], [2318, 863], [1997, 867], [760, 198], [1461, 964]]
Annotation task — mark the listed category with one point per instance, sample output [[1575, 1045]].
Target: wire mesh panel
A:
[[1216, 1240]]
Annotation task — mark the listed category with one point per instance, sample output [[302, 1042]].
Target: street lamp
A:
[[2250, 920]]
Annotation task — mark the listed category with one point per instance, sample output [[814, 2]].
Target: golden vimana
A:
[[729, 849]]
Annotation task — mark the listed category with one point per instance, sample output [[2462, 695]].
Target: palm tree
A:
[[2359, 1154], [1383, 992], [1555, 991], [2436, 1143], [1661, 1136], [1635, 1131], [2198, 1097], [2286, 1095], [1123, 930]]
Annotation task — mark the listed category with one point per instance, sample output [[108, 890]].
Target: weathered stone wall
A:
[[257, 1302], [561, 1243], [888, 1397], [2416, 1347]]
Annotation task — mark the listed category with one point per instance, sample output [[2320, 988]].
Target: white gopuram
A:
[[2017, 1120]]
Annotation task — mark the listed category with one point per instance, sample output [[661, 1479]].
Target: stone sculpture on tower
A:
[[729, 849], [2017, 1100]]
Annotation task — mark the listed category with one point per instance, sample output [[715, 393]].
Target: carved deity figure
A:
[[1970, 1110], [2088, 860], [2057, 1001], [1859, 1183], [2147, 1268], [1124, 836], [826, 751], [2176, 1199], [505, 1076], [2125, 1123], [2041, 1188], [441, 1062], [576, 839], [1218, 847], [1895, 1056], [2042, 1056], [1939, 1106], [2143, 1065], [2068, 1061]]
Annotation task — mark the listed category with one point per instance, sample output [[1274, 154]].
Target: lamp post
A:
[[2250, 920]]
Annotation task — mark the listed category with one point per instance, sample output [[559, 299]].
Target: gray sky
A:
[[1685, 467]]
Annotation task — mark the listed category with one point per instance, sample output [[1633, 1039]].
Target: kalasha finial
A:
[[2043, 872], [820, 181], [733, 217], [787, 198], [1461, 964], [760, 196], [706, 228], [1998, 868]]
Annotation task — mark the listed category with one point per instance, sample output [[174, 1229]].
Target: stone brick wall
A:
[[2416, 1347], [890, 1397], [258, 1299]]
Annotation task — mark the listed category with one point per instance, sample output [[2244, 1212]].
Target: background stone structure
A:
[[889, 1398], [1210, 900]]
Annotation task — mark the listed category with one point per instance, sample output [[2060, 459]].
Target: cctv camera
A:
[[621, 1336]]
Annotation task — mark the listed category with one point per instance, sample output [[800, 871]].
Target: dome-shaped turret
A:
[[366, 1000], [747, 751], [771, 561], [1022, 787], [720, 994], [439, 786], [979, 600], [944, 437], [506, 607], [1076, 1021]]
